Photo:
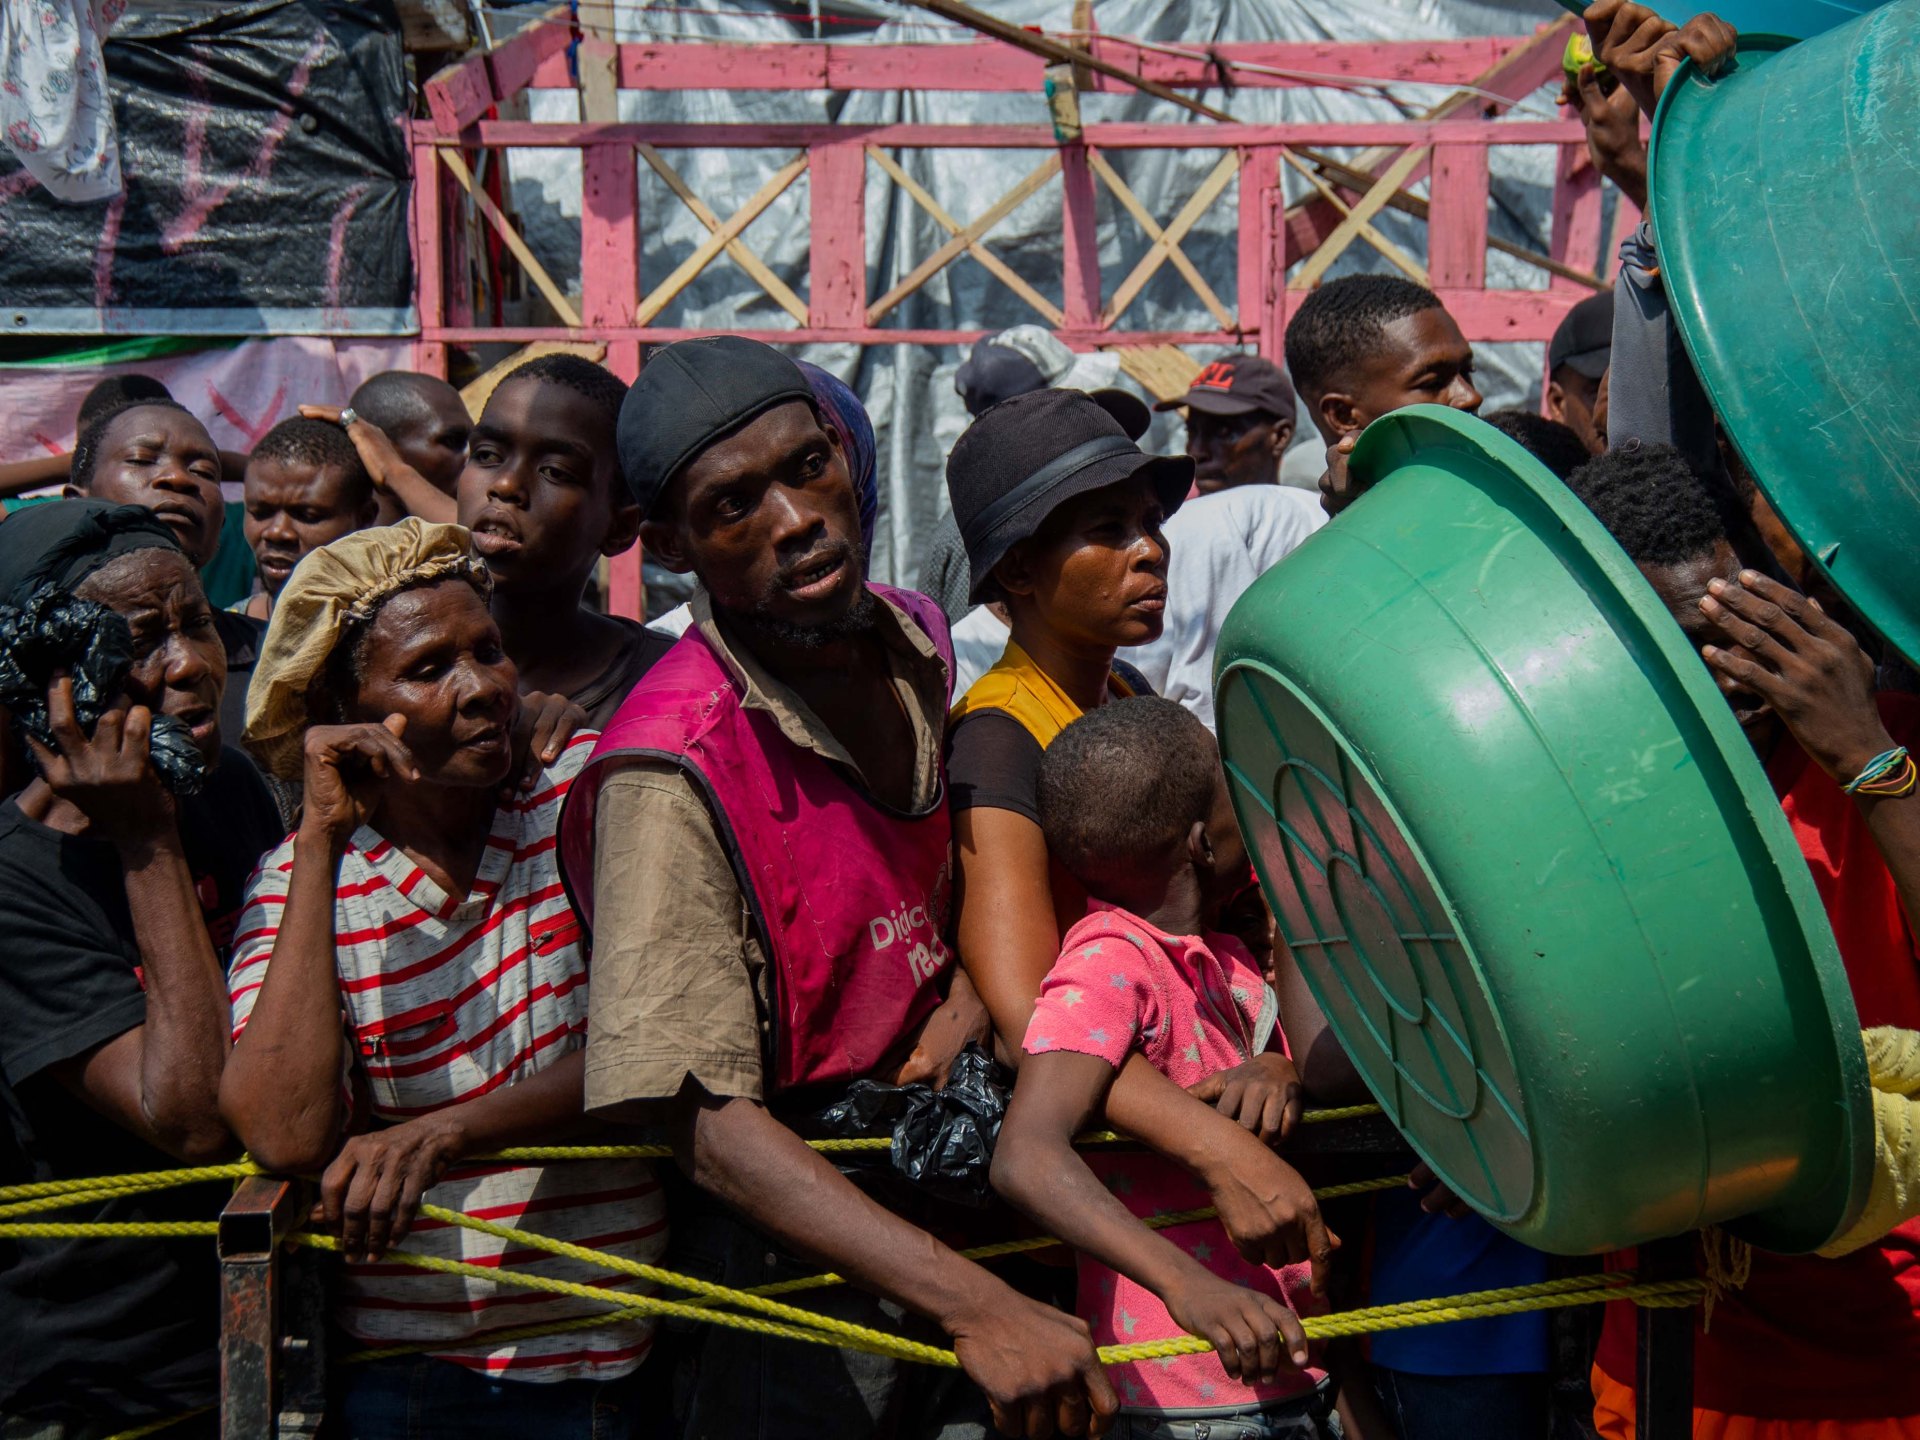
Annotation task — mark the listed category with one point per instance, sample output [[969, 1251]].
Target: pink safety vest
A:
[[851, 898]]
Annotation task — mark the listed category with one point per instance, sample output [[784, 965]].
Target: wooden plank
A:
[[707, 249], [552, 135], [756, 268], [610, 247], [477, 391], [1079, 238], [1371, 204], [1482, 314], [963, 241], [1164, 371], [1163, 247], [1457, 224], [430, 275], [837, 222], [514, 64], [460, 94], [510, 237], [999, 268], [1399, 258], [989, 66]]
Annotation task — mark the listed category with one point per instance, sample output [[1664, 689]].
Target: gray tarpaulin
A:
[[909, 389]]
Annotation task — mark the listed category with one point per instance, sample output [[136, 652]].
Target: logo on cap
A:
[[1217, 376]]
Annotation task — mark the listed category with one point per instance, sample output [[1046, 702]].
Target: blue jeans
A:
[[1309, 1417], [416, 1397], [1464, 1407]]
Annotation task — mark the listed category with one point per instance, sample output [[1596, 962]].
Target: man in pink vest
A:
[[760, 844]]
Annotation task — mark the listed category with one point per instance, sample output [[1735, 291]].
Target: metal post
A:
[[1664, 1389], [270, 1386]]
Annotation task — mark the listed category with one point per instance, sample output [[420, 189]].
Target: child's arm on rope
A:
[[1036, 1365], [1036, 1168]]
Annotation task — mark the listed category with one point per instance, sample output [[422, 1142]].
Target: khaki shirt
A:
[[679, 986]]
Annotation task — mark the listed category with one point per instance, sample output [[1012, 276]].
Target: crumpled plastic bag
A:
[[942, 1139], [55, 630]]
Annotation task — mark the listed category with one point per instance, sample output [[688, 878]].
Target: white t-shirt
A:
[[1219, 544]]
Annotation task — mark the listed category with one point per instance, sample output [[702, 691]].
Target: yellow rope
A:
[[153, 1427], [133, 1184]]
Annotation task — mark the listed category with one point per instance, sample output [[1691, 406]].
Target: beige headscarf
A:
[[333, 587]]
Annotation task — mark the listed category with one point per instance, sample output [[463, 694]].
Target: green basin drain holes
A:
[[1359, 910]]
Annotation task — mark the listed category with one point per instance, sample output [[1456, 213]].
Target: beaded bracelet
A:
[[1889, 775]]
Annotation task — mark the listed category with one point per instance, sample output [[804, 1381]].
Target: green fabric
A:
[[229, 575]]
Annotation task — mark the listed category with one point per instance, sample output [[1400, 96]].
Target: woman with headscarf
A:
[[122, 864], [421, 899]]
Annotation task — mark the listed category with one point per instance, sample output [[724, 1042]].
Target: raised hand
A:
[[1645, 50], [1803, 663], [344, 767], [108, 776]]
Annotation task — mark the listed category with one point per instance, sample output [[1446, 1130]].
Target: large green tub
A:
[[1786, 205], [1530, 866]]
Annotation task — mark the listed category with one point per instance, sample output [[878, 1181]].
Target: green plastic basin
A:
[[1531, 868], [1786, 205]]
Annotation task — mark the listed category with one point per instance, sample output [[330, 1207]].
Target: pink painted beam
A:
[[990, 66], [1482, 314], [460, 94], [560, 135], [1080, 239], [1457, 222], [429, 278], [1254, 287], [837, 222], [610, 249]]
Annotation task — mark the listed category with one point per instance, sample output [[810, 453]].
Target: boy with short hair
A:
[[543, 496], [305, 487], [1135, 806], [1364, 345], [427, 422]]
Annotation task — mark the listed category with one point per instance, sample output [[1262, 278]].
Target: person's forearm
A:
[[184, 1040], [1043, 1177], [1895, 826], [739, 1153], [19, 476], [1145, 1104], [282, 1089], [419, 495], [547, 1108]]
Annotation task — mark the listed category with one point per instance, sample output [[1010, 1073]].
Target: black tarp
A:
[[266, 182]]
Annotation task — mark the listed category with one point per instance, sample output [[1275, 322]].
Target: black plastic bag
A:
[[942, 1139], [56, 630]]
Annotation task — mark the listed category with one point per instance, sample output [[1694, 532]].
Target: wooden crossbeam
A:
[[1370, 204], [1178, 257], [483, 202], [1168, 241], [703, 254], [1410, 267], [736, 249], [999, 268], [960, 243]]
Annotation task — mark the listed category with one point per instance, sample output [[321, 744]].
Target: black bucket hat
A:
[[1025, 457]]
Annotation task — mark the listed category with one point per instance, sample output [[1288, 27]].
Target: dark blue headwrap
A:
[[841, 409]]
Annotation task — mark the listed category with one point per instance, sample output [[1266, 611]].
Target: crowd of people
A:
[[414, 855]]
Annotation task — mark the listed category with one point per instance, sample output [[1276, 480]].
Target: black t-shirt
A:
[[110, 1330], [993, 761], [603, 698], [242, 635]]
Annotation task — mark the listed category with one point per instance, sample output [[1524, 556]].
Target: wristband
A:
[[1890, 774]]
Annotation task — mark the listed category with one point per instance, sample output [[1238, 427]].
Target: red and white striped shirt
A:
[[446, 999]]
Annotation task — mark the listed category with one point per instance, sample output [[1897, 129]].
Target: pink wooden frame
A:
[[1270, 238]]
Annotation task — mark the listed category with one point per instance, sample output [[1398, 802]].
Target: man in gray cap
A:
[[762, 848]]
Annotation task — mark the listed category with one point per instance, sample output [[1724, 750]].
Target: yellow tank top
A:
[[1026, 692]]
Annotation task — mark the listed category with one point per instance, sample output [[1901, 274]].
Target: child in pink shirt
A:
[[1133, 803]]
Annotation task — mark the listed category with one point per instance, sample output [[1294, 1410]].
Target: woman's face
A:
[[1096, 570], [433, 655], [179, 665]]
